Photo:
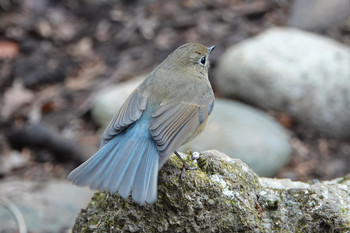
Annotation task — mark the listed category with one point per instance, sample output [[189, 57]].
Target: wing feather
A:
[[172, 125], [130, 111]]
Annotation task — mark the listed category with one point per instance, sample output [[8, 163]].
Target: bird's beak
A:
[[211, 48]]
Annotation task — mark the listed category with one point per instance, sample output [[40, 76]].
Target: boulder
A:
[[318, 15], [294, 72], [246, 133], [223, 195], [40, 206]]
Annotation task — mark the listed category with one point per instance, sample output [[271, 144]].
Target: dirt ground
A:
[[55, 55]]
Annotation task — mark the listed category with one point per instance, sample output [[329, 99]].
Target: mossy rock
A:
[[223, 195]]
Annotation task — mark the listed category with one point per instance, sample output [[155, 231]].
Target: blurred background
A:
[[280, 71]]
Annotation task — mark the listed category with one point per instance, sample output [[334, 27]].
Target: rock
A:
[[108, 101], [224, 195], [44, 206], [41, 136], [318, 15], [243, 132], [291, 71]]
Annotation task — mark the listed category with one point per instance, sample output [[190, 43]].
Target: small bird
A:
[[168, 109]]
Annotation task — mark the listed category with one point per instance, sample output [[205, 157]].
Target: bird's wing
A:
[[174, 124], [130, 111]]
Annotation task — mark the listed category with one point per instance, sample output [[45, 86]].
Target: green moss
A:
[[272, 205], [345, 179], [202, 163]]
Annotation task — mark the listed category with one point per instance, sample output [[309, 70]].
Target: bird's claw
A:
[[185, 166]]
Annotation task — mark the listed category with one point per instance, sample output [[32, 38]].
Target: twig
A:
[[15, 212]]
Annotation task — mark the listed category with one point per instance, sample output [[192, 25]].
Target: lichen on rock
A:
[[223, 195]]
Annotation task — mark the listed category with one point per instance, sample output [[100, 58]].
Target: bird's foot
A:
[[185, 166]]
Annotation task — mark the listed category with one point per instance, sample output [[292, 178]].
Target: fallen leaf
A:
[[8, 49], [14, 98], [285, 120], [83, 80]]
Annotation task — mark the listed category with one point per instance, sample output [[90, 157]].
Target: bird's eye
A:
[[203, 60]]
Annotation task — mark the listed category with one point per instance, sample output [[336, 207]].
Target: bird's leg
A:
[[185, 165]]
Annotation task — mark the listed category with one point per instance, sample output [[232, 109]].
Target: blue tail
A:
[[127, 163]]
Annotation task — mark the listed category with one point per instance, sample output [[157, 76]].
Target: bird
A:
[[169, 108]]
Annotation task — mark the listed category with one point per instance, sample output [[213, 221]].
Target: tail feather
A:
[[127, 163], [84, 174], [126, 155], [111, 171], [97, 173], [145, 184], [151, 195], [110, 178], [131, 170]]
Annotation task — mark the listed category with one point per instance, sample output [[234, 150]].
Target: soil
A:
[[55, 55]]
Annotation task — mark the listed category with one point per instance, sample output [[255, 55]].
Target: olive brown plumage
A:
[[169, 108]]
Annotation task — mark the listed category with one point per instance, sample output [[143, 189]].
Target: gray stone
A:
[[318, 15], [291, 71], [223, 195], [44, 206], [243, 132]]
